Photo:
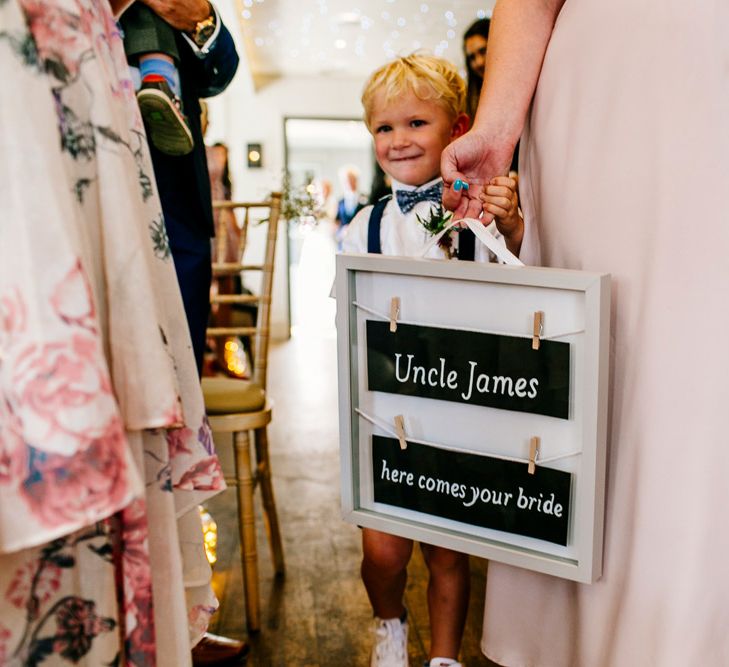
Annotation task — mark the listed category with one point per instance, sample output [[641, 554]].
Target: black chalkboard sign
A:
[[469, 367], [477, 490]]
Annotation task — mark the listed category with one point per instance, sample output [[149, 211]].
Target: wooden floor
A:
[[318, 615]]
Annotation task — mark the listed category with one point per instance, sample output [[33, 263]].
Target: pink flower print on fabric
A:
[[13, 319], [13, 325], [62, 37], [61, 395], [199, 619], [178, 440], [137, 582], [13, 452], [5, 635], [43, 582], [206, 475], [205, 436], [110, 47], [77, 625], [173, 416], [90, 484], [72, 301]]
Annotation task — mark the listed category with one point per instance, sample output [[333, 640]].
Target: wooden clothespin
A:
[[533, 452], [400, 430], [394, 312], [538, 330]]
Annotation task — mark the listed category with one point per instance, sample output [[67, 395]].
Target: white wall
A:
[[242, 115]]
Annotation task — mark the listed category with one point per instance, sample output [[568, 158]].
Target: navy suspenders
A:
[[374, 243], [466, 245], [466, 238]]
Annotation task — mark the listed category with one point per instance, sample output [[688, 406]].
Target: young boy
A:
[[414, 109]]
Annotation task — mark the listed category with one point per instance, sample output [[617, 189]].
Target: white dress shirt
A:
[[402, 234]]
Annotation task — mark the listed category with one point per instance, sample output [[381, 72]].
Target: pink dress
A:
[[105, 450], [625, 166]]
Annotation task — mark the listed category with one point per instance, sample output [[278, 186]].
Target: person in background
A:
[[227, 233], [618, 104], [327, 203], [475, 45], [414, 107], [352, 201], [475, 48]]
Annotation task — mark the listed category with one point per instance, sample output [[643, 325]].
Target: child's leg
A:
[[448, 591], [149, 43], [145, 32], [384, 571]]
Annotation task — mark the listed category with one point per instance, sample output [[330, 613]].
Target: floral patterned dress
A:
[[105, 451]]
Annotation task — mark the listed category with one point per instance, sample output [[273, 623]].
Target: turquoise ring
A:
[[459, 185]]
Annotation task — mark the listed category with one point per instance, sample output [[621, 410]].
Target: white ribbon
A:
[[483, 235]]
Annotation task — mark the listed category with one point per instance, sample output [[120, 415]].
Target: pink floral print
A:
[[4, 637], [66, 456], [72, 302], [77, 624], [206, 475], [60, 35], [61, 396], [13, 318], [30, 584], [199, 618], [89, 484], [137, 575], [177, 441]]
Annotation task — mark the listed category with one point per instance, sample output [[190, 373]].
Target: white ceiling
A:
[[350, 37]]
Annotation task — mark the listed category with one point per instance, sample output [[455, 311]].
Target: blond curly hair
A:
[[427, 77]]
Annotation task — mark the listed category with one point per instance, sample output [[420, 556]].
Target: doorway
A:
[[320, 152]]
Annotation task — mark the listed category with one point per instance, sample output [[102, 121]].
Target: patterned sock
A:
[[152, 66]]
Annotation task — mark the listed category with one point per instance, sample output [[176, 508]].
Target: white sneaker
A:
[[444, 662], [391, 643]]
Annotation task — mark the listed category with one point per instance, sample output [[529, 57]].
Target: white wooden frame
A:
[[531, 286]]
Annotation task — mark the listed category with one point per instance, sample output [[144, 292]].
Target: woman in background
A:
[[475, 48], [475, 45]]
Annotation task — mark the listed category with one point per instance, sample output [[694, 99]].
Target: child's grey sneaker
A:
[[391, 643], [162, 113]]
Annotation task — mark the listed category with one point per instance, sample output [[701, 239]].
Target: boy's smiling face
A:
[[410, 134]]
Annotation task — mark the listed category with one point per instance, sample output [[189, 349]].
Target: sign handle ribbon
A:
[[480, 232]]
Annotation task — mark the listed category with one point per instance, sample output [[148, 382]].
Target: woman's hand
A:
[[475, 159]]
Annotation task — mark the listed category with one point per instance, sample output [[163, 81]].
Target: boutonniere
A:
[[435, 222]]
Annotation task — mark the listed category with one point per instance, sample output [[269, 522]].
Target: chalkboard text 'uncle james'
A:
[[485, 369]]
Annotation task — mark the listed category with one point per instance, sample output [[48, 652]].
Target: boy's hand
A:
[[500, 201]]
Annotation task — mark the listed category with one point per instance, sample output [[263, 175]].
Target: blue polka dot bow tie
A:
[[406, 199]]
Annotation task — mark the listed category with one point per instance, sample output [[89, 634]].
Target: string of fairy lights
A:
[[321, 35]]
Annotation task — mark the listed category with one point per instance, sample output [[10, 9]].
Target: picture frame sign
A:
[[457, 426]]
